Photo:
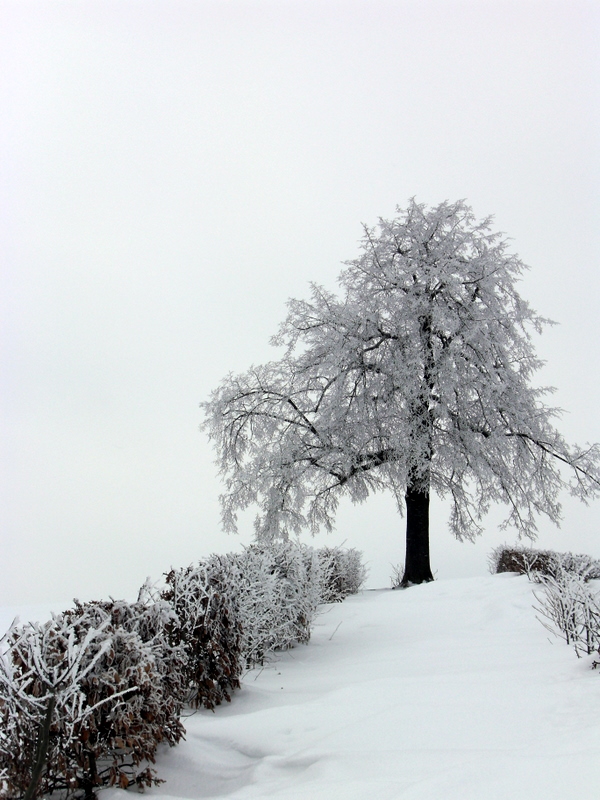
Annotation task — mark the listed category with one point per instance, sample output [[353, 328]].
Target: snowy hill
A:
[[447, 690]]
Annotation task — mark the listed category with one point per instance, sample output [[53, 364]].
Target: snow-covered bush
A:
[[344, 573], [298, 590], [86, 698], [272, 591], [397, 576], [531, 562], [207, 628], [250, 591], [571, 604], [275, 590], [83, 704], [154, 620]]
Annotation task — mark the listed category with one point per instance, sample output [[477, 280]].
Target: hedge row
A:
[[87, 697], [569, 603], [533, 563]]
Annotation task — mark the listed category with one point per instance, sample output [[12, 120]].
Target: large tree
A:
[[417, 377]]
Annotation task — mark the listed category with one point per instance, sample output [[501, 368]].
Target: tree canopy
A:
[[416, 377]]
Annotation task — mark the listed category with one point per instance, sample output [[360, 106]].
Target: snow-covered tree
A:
[[417, 378]]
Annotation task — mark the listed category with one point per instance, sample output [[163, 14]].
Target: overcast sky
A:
[[173, 171]]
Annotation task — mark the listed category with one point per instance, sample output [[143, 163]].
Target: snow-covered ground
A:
[[448, 690]]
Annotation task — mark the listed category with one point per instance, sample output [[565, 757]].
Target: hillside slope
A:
[[447, 690]]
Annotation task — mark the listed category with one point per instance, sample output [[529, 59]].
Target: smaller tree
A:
[[418, 378]]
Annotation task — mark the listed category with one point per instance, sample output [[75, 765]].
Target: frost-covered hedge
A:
[[277, 589], [207, 629], [274, 591], [87, 697], [343, 573], [532, 562], [569, 603], [84, 703]]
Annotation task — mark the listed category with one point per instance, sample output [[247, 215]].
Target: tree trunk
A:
[[416, 564]]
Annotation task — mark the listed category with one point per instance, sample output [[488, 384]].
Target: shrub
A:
[[275, 590], [251, 588], [531, 562], [570, 604], [344, 573], [298, 590], [92, 694], [397, 576], [86, 698], [154, 620], [207, 628]]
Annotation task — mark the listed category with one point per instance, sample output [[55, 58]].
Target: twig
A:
[[333, 634]]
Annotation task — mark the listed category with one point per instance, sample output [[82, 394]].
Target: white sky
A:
[[173, 171]]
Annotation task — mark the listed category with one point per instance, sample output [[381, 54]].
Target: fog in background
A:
[[173, 172]]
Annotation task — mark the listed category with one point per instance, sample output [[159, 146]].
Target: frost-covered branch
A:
[[417, 377]]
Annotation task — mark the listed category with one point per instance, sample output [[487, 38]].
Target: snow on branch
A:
[[84, 699], [87, 697], [569, 603], [416, 376]]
